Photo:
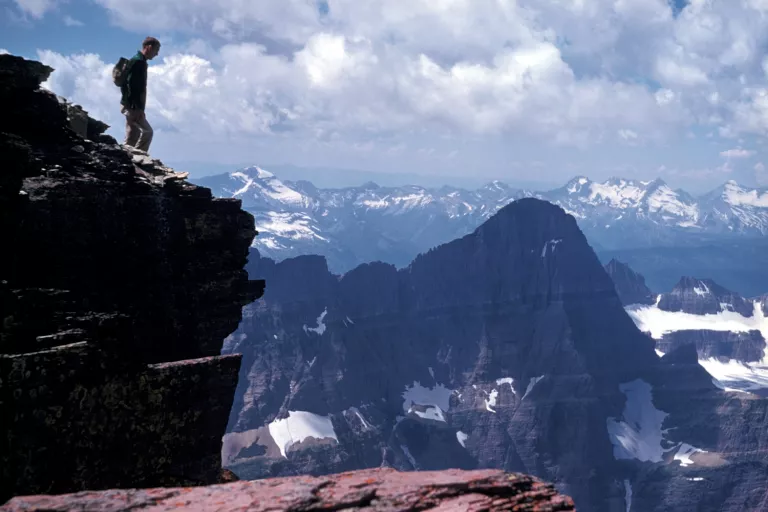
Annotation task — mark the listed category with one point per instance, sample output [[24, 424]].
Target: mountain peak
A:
[[254, 171], [577, 183]]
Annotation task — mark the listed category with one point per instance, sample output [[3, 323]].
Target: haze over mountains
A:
[[658, 230]]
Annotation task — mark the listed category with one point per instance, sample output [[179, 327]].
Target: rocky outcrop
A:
[[630, 286], [118, 282], [748, 346], [373, 490], [704, 296]]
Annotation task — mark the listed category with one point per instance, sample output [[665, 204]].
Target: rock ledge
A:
[[377, 489]]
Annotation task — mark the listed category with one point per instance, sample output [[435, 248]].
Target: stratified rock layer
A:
[[118, 283], [372, 490]]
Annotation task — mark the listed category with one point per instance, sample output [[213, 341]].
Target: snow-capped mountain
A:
[[728, 331], [393, 224]]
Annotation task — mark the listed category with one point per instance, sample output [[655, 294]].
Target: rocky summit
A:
[[383, 490], [507, 348], [118, 282]]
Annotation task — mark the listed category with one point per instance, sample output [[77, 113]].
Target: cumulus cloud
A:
[[376, 76], [761, 174], [35, 8], [72, 22], [737, 153]]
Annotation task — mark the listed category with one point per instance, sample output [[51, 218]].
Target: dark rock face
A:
[[508, 348], [630, 286], [702, 297], [742, 346], [372, 490], [118, 283]]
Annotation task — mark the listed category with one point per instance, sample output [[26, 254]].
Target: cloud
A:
[[72, 22], [761, 174], [391, 77], [737, 153], [36, 8]]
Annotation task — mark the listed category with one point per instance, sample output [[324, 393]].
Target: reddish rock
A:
[[375, 489]]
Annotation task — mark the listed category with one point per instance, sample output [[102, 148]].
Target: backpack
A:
[[121, 71]]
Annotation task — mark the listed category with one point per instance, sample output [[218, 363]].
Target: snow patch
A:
[[628, 494], [730, 375], [701, 291], [360, 417], [684, 453], [552, 243], [436, 399], [320, 329], [491, 400], [462, 438], [638, 434], [695, 479], [298, 426], [531, 384], [737, 196], [658, 322], [736, 376], [506, 380]]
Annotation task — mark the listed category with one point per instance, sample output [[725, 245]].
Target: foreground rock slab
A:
[[376, 489]]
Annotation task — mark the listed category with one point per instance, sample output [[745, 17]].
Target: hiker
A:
[[138, 132]]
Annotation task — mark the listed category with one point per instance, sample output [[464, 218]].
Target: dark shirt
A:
[[135, 89]]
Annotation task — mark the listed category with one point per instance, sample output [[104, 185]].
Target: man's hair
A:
[[150, 41]]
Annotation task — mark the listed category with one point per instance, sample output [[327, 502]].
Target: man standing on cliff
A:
[[138, 132]]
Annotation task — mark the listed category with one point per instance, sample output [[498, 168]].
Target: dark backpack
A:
[[121, 71]]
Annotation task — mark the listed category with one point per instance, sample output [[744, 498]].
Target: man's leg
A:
[[146, 134], [132, 129]]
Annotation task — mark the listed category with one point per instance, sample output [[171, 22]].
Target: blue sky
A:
[[519, 91]]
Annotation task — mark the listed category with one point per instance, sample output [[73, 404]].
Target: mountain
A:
[[505, 348], [729, 332], [356, 225], [359, 224], [630, 286]]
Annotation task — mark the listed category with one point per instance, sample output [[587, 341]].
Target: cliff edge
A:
[[119, 281], [370, 490]]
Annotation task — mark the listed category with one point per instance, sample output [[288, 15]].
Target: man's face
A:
[[152, 52]]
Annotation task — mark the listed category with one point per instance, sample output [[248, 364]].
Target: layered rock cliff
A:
[[118, 283], [630, 286]]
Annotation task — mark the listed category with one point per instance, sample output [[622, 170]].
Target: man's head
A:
[[150, 48]]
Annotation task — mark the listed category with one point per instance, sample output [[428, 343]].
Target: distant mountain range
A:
[[355, 225]]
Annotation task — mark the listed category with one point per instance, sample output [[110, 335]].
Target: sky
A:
[[516, 90]]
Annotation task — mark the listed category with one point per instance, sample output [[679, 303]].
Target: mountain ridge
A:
[[369, 222]]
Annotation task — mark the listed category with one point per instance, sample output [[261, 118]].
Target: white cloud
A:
[[737, 153], [3, 51], [72, 22], [761, 174], [36, 8], [391, 77]]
